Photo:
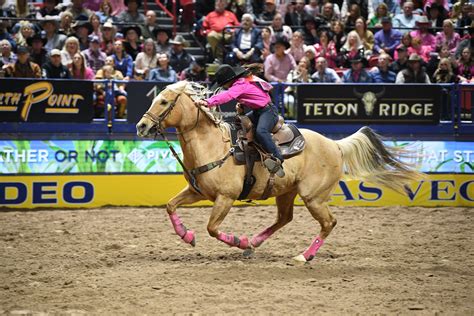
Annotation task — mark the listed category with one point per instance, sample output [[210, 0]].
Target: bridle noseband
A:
[[157, 120]]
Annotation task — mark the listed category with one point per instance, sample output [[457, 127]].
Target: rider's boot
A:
[[274, 166]]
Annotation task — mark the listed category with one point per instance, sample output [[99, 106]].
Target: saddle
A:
[[247, 151]]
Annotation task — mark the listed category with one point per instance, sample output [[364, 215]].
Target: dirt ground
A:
[[129, 261]]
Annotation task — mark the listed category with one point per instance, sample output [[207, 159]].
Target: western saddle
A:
[[247, 151]]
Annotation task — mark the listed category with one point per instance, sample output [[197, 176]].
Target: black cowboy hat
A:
[[82, 23], [282, 41], [36, 37], [161, 29], [226, 73], [136, 28]]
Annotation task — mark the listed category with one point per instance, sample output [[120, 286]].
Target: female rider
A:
[[253, 92]]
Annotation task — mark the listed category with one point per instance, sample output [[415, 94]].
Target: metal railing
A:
[[457, 119]]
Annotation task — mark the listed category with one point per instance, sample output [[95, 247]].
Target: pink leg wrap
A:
[[180, 229], [311, 251], [260, 238], [233, 240]]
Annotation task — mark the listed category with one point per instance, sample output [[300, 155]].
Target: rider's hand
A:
[[201, 103]]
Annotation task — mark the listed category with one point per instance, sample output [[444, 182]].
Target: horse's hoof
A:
[[190, 238], [300, 259], [249, 252]]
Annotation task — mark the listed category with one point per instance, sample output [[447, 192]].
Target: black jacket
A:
[[52, 72]]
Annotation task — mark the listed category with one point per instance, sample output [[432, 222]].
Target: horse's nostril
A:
[[142, 126]]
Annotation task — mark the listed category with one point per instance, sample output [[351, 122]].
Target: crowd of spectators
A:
[[363, 41]]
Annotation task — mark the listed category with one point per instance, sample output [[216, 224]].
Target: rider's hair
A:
[[253, 69]]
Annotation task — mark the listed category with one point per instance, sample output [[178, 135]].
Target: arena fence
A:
[[54, 153], [335, 109]]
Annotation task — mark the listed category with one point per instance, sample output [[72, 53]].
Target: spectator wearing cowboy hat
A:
[[23, 67], [108, 38], [38, 54], [422, 32], [278, 65], [357, 74], [132, 44], [180, 59], [54, 40], [82, 30], [162, 37], [414, 73], [131, 15], [53, 69]]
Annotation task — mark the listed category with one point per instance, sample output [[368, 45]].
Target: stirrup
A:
[[274, 166]]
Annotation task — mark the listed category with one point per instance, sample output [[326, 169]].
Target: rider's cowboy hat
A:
[[226, 73]]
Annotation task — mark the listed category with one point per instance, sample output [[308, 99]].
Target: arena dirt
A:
[[129, 261]]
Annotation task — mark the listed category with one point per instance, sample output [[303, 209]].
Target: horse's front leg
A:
[[222, 206], [186, 196]]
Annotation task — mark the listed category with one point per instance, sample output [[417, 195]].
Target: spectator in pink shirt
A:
[[421, 50], [326, 48], [448, 36], [79, 69], [427, 39], [279, 64]]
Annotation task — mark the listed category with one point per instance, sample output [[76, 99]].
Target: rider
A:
[[252, 92]]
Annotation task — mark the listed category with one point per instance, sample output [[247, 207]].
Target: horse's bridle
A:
[[157, 120]]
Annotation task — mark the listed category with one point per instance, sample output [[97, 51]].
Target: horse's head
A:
[[163, 111]]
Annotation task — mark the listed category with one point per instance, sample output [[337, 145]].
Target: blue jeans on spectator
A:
[[265, 119]]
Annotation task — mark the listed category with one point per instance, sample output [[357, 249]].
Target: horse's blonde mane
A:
[[197, 91]]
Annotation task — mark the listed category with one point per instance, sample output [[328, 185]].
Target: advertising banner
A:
[[148, 156], [394, 104], [139, 96], [87, 156], [87, 191], [46, 101]]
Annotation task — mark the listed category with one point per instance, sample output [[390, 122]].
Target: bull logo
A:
[[369, 98]]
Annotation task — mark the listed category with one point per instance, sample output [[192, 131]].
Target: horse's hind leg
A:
[[284, 216], [186, 196], [222, 206], [320, 211]]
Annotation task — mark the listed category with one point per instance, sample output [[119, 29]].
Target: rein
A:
[[191, 174]]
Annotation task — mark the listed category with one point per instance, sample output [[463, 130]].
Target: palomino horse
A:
[[313, 174]]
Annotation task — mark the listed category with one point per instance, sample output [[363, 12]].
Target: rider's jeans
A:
[[265, 120]]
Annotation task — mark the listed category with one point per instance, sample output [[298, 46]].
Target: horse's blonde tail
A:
[[367, 158]]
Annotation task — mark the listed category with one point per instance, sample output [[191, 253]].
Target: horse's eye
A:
[[163, 102]]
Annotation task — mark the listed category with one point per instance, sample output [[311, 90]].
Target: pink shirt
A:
[[245, 92]]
